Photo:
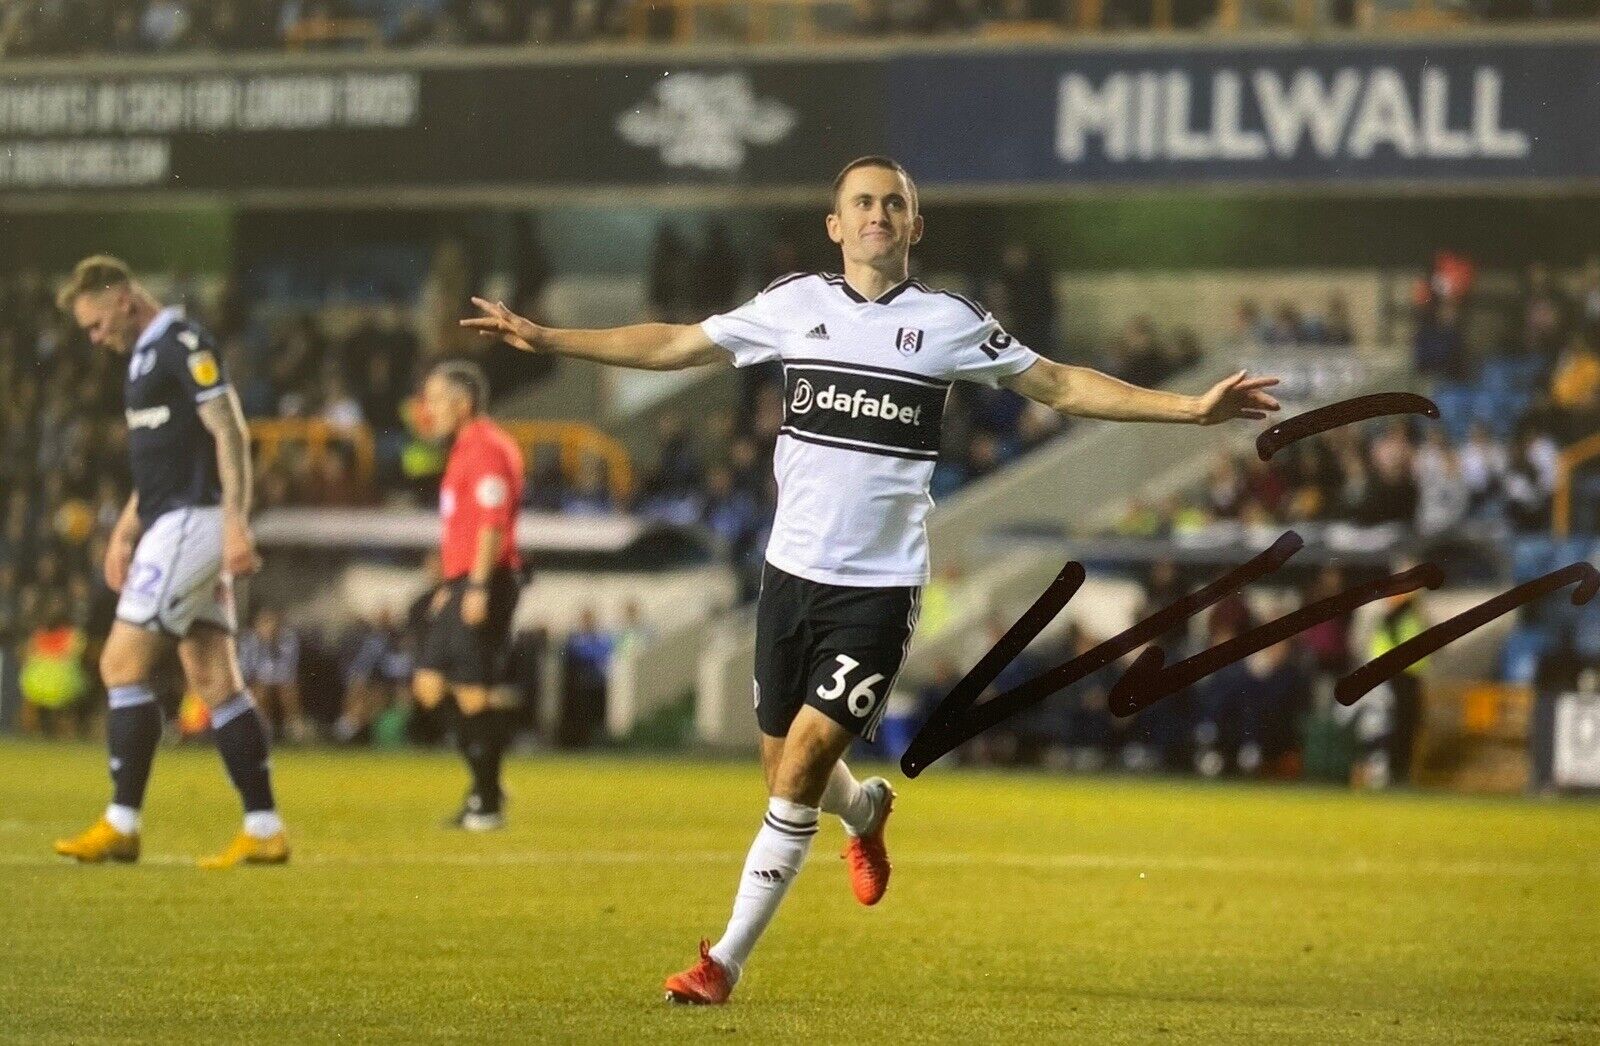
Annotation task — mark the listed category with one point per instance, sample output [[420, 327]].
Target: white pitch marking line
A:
[[1038, 862]]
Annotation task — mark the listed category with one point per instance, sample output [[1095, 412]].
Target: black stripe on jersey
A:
[[792, 833], [809, 363], [854, 295], [893, 292], [790, 278], [865, 448], [977, 310], [840, 282]]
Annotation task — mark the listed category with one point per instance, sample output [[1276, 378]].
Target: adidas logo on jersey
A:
[[819, 331], [857, 406]]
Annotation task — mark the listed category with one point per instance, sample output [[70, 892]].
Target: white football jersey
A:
[[865, 384]]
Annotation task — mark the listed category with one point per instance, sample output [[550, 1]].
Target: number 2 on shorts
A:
[[861, 699]]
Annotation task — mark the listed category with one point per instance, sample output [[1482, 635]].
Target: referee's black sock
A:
[[479, 737]]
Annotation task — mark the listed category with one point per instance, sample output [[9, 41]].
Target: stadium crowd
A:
[[354, 363], [1515, 399], [97, 27]]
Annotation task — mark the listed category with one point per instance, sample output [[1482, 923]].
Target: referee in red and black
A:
[[467, 646]]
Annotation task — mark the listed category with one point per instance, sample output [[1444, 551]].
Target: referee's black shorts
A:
[[837, 648], [473, 655]]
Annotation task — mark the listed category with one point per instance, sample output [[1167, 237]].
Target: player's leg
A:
[[481, 742], [812, 747], [781, 844], [211, 667], [133, 731], [857, 669], [476, 667], [429, 688]]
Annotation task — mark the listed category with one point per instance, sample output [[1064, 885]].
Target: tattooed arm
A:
[[223, 416]]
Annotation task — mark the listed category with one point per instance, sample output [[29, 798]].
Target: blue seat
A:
[[1531, 557], [1456, 404], [1519, 658], [1511, 374]]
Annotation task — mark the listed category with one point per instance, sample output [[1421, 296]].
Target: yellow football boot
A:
[[100, 843], [247, 849]]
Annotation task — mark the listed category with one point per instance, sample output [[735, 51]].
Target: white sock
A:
[[262, 824], [775, 859], [845, 797], [124, 819]]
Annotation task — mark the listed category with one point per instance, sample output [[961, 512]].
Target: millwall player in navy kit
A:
[[182, 538], [869, 356]]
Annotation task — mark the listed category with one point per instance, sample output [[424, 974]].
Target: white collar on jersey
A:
[[158, 326]]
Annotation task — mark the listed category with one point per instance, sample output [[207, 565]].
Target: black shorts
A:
[[471, 656], [836, 648]]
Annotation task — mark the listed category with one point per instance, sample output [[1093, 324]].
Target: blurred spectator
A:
[[1575, 392], [269, 659], [587, 670], [1588, 300], [1438, 348], [1545, 314], [1530, 480], [1336, 331], [636, 633], [54, 679], [1327, 643], [730, 512], [1442, 495], [1484, 462], [1136, 355], [1389, 754], [669, 290], [589, 495], [379, 663], [1285, 330], [1030, 288], [717, 271]]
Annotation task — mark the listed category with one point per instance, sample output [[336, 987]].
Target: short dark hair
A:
[[469, 378], [97, 272], [887, 163]]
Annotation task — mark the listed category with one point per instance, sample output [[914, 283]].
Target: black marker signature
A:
[[1146, 681], [1337, 415], [956, 720]]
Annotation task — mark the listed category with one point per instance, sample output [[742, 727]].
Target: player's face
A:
[[874, 221], [107, 318], [447, 405]]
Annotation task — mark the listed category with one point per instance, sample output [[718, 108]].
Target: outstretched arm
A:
[[643, 346], [1087, 393], [223, 416]]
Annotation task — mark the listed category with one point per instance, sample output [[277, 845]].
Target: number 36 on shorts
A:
[[862, 699]]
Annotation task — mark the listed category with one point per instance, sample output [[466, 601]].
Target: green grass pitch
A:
[[1024, 908]]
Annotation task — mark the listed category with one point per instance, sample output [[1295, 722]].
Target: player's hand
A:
[[500, 322], [1237, 396], [239, 556], [119, 557], [474, 607], [441, 596]]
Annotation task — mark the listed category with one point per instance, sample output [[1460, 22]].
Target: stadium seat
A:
[[1519, 658], [1531, 556], [1456, 404], [1510, 374]]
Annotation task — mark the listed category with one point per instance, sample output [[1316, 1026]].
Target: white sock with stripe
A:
[[845, 798], [775, 859]]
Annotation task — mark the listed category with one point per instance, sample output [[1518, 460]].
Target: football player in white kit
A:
[[182, 538], [869, 356]]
